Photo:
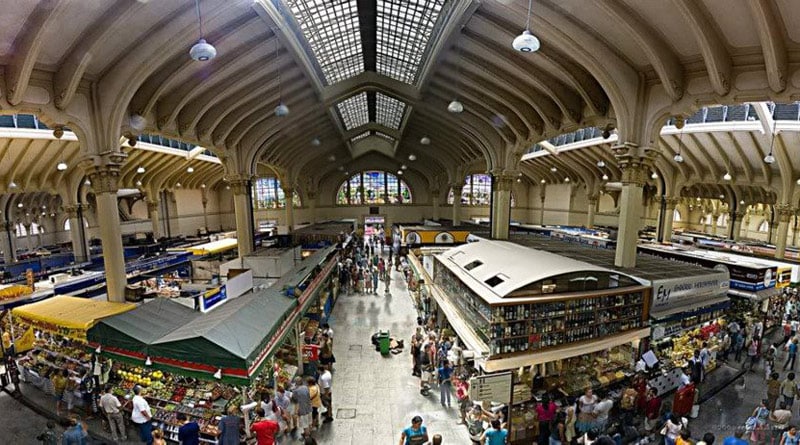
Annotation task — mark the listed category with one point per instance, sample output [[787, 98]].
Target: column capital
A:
[[672, 202], [592, 198], [740, 213], [457, 185], [152, 205], [784, 211], [103, 170], [240, 184], [71, 210], [311, 194], [634, 161], [503, 181]]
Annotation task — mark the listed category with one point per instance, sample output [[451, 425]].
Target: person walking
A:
[[141, 416], [761, 415], [75, 434], [546, 412], [790, 437], [189, 431], [558, 430], [417, 433], [229, 428], [789, 390], [773, 390], [302, 397], [780, 419], [316, 400], [109, 404], [496, 435], [791, 348], [738, 345], [445, 386], [264, 429], [753, 352], [326, 393]]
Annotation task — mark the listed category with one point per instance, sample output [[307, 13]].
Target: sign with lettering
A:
[[491, 388], [213, 298], [689, 292]]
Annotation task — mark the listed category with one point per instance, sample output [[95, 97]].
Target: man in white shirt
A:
[[325, 385], [141, 416], [685, 378], [110, 405], [601, 410], [780, 418]]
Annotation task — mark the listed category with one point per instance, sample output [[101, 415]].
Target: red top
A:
[[265, 431], [546, 414], [652, 408]]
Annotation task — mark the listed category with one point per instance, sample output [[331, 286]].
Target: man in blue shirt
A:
[[189, 432], [74, 435], [792, 348], [736, 439], [445, 372]]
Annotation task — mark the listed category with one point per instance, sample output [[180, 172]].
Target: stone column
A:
[[457, 188], [542, 194], [591, 209], [7, 236], [501, 205], [80, 246], [152, 212], [669, 218], [635, 162], [311, 203], [784, 212], [240, 185], [736, 228], [435, 204], [794, 230], [714, 220], [288, 194], [103, 171]]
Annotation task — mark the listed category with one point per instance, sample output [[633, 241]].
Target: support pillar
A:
[[152, 212], [244, 213], [784, 212], [501, 205], [435, 203], [635, 163], [7, 242], [669, 218], [104, 172], [736, 228], [288, 194], [311, 203], [590, 210], [80, 245], [714, 219], [541, 204], [457, 188], [794, 231]]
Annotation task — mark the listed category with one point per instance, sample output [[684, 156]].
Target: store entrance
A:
[[373, 225]]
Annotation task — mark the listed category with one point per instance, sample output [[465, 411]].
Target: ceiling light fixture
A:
[[202, 51], [566, 179], [553, 169], [425, 140], [678, 158], [742, 201], [601, 164], [403, 167], [190, 169], [721, 196], [769, 158], [20, 205], [400, 172], [178, 185], [315, 142], [140, 170], [543, 181], [412, 157], [654, 175], [137, 122], [202, 186], [727, 176], [61, 166], [138, 183], [12, 185], [527, 42], [455, 106], [87, 183], [605, 177]]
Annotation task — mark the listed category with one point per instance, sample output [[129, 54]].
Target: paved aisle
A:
[[375, 397]]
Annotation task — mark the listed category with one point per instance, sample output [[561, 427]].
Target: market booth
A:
[[201, 363], [62, 323], [559, 324]]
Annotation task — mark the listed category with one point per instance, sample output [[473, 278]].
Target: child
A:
[[158, 437]]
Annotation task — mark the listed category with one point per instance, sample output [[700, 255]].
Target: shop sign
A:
[[212, 298], [677, 292], [310, 353], [491, 388]]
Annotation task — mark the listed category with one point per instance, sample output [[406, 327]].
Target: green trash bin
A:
[[383, 342]]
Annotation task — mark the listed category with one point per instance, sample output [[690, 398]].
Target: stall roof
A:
[[722, 257], [70, 312], [213, 247], [511, 266], [136, 329], [647, 267]]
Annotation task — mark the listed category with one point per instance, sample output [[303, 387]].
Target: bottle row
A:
[[573, 309], [529, 340]]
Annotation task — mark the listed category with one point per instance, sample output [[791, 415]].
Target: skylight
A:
[[354, 111], [331, 28], [359, 137], [404, 29], [389, 111]]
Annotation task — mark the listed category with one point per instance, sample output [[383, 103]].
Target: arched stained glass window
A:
[[373, 187], [477, 191], [268, 194]]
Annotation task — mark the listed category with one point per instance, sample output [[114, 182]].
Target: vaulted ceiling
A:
[[376, 76]]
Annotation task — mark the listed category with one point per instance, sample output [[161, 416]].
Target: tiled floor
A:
[[379, 390]]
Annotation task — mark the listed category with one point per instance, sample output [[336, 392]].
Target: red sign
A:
[[311, 353]]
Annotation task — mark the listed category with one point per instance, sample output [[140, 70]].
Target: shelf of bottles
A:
[[536, 326], [476, 312]]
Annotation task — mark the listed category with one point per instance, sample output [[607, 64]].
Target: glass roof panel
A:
[[332, 31], [389, 111], [354, 111], [359, 137], [384, 136], [404, 29]]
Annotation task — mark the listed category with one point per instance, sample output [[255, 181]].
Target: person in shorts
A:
[[302, 397]]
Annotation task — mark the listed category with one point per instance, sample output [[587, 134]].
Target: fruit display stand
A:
[[675, 352], [50, 355]]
